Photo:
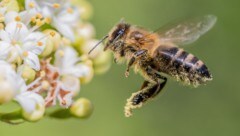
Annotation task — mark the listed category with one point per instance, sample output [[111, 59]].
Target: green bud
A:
[[52, 43], [6, 92], [88, 78], [28, 73], [82, 108], [35, 115], [102, 63], [89, 45]]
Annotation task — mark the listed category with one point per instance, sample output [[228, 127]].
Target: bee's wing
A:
[[188, 31]]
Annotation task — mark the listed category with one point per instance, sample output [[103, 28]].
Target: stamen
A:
[[48, 20], [39, 15], [45, 85], [39, 22], [25, 54], [52, 33], [40, 43], [18, 18], [42, 74], [2, 18], [13, 42], [56, 5], [19, 26], [70, 10], [31, 5], [33, 19], [61, 53], [1, 26]]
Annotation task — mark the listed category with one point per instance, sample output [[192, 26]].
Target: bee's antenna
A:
[[105, 37]]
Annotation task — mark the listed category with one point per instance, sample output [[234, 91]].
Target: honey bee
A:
[[155, 53]]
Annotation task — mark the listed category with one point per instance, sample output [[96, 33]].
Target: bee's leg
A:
[[136, 55], [148, 91]]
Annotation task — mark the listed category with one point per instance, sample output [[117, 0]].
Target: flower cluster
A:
[[43, 57]]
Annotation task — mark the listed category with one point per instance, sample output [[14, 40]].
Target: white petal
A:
[[14, 53], [80, 70], [5, 36], [18, 33], [3, 10], [69, 59], [31, 41], [67, 17], [27, 15], [29, 101], [71, 83], [10, 17], [33, 61], [64, 29], [47, 12], [5, 48]]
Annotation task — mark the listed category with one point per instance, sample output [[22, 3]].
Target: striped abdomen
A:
[[181, 65]]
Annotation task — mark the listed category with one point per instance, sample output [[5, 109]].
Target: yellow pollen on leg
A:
[[25, 54], [56, 5], [18, 18]]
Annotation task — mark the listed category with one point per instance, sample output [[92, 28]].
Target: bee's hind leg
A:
[[148, 91]]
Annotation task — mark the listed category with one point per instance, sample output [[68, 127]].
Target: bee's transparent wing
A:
[[187, 31]]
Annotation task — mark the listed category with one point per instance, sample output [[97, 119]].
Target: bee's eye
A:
[[120, 32]]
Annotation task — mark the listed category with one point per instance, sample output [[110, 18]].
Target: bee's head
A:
[[117, 33]]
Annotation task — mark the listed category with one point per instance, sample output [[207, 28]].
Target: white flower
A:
[[8, 80], [18, 41], [59, 13], [12, 86], [67, 61], [70, 69], [32, 104]]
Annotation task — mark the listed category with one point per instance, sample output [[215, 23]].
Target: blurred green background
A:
[[211, 110]]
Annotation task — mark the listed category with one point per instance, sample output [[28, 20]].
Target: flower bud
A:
[[35, 115], [82, 108], [86, 30], [27, 73], [52, 42], [32, 104], [89, 77], [89, 45], [7, 92], [102, 63]]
